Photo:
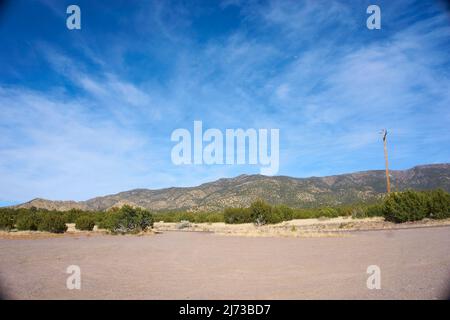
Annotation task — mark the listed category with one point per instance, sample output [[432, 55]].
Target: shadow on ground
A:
[[3, 294]]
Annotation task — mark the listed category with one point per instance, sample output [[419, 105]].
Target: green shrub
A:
[[127, 220], [201, 217], [7, 219], [364, 211], [306, 213], [214, 217], [85, 222], [196, 217], [72, 215], [285, 212], [375, 210], [260, 212], [98, 216], [52, 222], [346, 211], [438, 204], [27, 221], [275, 216], [106, 221], [237, 215], [328, 212], [405, 206]]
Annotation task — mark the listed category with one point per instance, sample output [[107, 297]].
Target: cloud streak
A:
[[92, 113]]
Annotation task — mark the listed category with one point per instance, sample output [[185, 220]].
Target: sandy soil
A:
[[415, 263], [321, 227]]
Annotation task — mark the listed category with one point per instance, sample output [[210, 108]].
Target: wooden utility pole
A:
[[388, 184]]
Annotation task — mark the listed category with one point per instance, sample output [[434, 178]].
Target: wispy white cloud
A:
[[309, 68]]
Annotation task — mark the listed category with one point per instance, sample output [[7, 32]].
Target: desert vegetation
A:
[[123, 220], [126, 220], [416, 205], [397, 207], [196, 217], [85, 222], [261, 213]]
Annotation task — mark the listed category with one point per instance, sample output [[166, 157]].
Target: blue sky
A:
[[90, 112]]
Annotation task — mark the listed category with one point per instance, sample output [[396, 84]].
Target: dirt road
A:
[[414, 264]]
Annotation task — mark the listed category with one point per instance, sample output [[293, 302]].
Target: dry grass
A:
[[18, 235], [333, 227]]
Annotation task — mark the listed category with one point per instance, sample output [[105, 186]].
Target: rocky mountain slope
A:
[[242, 190]]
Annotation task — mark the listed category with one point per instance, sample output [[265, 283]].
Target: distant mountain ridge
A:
[[242, 190]]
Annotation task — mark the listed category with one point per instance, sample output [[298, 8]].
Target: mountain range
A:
[[362, 186]]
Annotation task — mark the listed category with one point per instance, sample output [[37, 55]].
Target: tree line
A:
[[396, 207]]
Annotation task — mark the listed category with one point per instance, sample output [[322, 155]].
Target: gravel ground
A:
[[415, 264]]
